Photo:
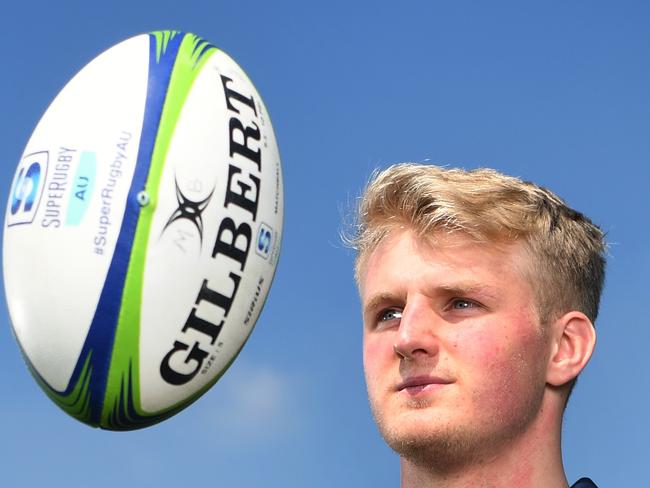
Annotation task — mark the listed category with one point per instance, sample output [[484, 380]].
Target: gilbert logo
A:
[[27, 188], [189, 210]]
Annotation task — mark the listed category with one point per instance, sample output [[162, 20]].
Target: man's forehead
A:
[[450, 247]]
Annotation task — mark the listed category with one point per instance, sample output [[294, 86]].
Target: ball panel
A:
[[54, 271], [217, 299]]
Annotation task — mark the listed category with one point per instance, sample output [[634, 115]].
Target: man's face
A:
[[454, 356]]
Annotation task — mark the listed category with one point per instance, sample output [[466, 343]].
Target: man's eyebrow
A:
[[449, 289], [465, 288], [379, 299]]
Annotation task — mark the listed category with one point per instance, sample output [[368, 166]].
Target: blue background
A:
[[555, 92]]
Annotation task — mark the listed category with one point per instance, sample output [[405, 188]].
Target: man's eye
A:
[[390, 314], [462, 304]]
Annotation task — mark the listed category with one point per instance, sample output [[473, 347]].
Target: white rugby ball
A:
[[143, 230]]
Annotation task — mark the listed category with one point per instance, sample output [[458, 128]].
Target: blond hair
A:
[[567, 249]]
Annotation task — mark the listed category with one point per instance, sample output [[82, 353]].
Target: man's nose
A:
[[417, 336]]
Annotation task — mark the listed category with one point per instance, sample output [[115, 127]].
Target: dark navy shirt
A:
[[584, 483]]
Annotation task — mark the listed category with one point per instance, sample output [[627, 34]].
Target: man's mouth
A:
[[416, 385]]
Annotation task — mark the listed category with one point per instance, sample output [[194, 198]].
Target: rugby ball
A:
[[143, 230]]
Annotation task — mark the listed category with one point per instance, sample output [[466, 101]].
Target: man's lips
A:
[[417, 384]]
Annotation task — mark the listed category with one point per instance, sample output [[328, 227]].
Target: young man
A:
[[479, 294]]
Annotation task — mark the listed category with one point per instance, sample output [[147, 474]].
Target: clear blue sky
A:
[[555, 91]]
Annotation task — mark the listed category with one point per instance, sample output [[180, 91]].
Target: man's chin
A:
[[429, 442], [424, 431]]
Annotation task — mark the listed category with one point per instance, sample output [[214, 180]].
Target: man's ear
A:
[[574, 339]]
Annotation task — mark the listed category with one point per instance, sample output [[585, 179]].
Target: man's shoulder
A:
[[584, 483]]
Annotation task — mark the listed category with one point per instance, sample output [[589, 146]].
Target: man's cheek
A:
[[506, 383], [374, 350], [376, 360]]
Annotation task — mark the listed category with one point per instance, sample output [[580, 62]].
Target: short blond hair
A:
[[567, 249]]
